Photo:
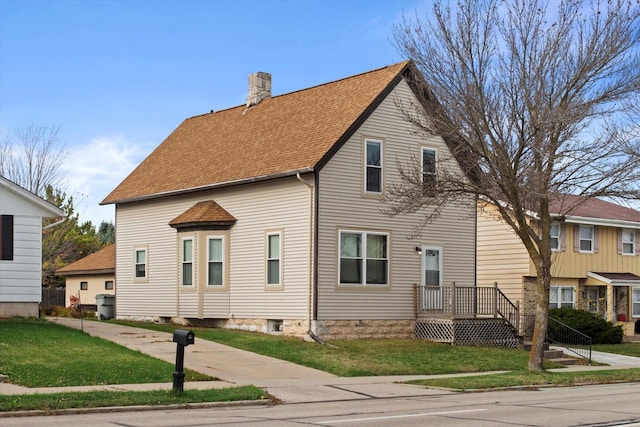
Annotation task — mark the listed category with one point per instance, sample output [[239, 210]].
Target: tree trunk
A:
[[536, 356]]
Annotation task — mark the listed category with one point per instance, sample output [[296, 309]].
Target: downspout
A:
[[64, 218], [310, 298]]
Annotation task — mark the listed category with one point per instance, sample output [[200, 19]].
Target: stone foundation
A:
[[354, 329]]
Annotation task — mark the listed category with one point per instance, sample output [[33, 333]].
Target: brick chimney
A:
[[259, 88]]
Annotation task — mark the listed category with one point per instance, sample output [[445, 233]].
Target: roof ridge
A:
[[302, 89]]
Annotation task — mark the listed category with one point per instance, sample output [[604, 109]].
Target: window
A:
[[628, 242], [429, 171], [561, 296], [141, 263], [586, 238], [6, 237], [373, 169], [274, 256], [215, 264], [635, 300], [187, 262], [108, 285], [555, 236], [84, 286], [364, 258]]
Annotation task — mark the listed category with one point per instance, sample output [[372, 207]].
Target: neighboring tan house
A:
[[596, 259], [21, 215], [92, 275], [266, 216]]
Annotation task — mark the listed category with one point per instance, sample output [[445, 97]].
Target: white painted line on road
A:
[[425, 414]]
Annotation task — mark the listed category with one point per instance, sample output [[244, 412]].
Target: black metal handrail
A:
[[565, 336]]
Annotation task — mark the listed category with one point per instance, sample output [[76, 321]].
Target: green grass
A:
[[531, 379], [37, 353], [58, 401], [365, 357], [628, 349]]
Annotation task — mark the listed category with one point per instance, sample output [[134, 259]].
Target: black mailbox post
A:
[[182, 338]]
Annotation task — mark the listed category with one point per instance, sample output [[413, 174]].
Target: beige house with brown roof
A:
[[92, 275], [266, 216], [596, 259]]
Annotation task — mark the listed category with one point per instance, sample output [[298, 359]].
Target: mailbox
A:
[[183, 337]]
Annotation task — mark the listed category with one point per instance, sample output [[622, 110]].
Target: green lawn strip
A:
[[627, 349], [364, 357], [96, 399], [37, 353], [525, 378]]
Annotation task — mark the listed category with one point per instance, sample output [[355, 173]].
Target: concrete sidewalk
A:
[[288, 382]]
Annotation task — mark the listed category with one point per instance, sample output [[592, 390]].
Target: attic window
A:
[[373, 166]]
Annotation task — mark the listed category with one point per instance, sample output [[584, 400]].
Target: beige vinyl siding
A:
[[95, 286], [21, 278], [576, 264], [501, 256], [343, 206], [280, 204]]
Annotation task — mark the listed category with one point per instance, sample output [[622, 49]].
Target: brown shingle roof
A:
[[568, 204], [281, 135], [100, 262], [204, 213]]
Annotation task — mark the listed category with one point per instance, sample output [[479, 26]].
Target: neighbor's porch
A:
[[466, 315]]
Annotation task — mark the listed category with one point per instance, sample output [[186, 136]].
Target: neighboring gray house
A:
[[21, 214], [266, 216]]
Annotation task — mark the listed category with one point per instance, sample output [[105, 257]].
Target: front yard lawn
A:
[[628, 349]]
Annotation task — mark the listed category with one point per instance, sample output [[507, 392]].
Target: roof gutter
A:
[[211, 186], [602, 221]]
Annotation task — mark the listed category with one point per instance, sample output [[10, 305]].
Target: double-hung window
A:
[[628, 242], [555, 236], [635, 301], [429, 176], [215, 261], [187, 262], [373, 166], [141, 264], [561, 296], [586, 238], [364, 258], [274, 258]]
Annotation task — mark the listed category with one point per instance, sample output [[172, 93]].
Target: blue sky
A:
[[118, 76]]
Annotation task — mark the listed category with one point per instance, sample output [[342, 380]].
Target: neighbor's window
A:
[[561, 296], [373, 168], [215, 263], [555, 236], [628, 242], [141, 263], [429, 177], [187, 262], [586, 238], [6, 237], [364, 258], [274, 256], [84, 286], [108, 285], [635, 300]]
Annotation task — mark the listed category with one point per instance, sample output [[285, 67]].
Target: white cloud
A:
[[93, 170]]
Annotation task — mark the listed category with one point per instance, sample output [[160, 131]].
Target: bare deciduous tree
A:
[[31, 157], [538, 101]]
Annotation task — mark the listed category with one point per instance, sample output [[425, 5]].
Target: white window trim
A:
[[593, 239], [183, 262], [364, 258], [435, 151], [558, 237], [633, 314], [222, 260], [280, 259], [440, 262], [366, 166], [632, 242], [144, 278], [560, 300]]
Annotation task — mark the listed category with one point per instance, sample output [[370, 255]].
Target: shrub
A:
[[591, 324]]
